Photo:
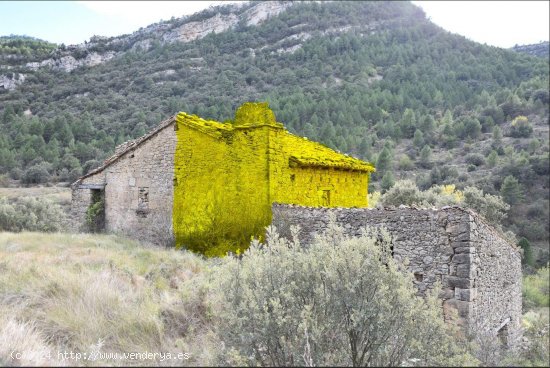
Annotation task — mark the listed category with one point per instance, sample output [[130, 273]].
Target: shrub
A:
[[90, 165], [443, 195], [491, 207], [536, 289], [475, 159], [95, 214], [31, 214], [536, 353], [342, 301], [521, 128], [405, 163], [16, 173], [37, 174], [403, 192], [373, 198]]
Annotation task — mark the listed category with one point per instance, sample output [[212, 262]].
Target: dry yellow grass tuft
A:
[[62, 293]]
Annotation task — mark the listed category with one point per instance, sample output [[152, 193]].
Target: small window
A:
[[143, 201], [418, 276]]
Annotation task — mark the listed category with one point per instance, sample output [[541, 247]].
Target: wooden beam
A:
[[91, 186]]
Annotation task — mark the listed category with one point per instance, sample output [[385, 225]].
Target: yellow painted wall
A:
[[226, 176], [310, 186], [221, 194]]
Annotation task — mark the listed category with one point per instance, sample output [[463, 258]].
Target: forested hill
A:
[[541, 49], [373, 79]]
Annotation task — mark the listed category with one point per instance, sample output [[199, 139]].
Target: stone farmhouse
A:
[[197, 182], [210, 186]]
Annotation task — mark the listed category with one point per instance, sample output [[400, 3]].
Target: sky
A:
[[496, 23]]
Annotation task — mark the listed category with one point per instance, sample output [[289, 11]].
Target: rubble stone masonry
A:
[[138, 190], [480, 272]]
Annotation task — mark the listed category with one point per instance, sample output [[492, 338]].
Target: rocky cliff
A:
[[101, 49]]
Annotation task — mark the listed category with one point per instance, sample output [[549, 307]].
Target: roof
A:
[[303, 152], [126, 147]]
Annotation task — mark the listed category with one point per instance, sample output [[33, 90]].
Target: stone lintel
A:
[[91, 186]]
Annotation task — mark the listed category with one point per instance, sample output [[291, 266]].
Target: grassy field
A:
[[63, 293], [80, 299], [58, 194]]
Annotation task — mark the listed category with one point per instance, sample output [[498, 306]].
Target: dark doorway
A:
[[95, 215]]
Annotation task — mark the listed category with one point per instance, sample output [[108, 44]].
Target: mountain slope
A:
[[541, 49], [373, 79]]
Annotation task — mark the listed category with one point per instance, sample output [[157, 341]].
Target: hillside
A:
[[541, 49], [377, 80]]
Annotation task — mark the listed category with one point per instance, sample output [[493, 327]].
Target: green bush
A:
[[31, 214], [492, 207], [475, 159], [536, 289], [536, 353], [341, 301], [405, 192], [95, 214], [37, 174], [405, 163], [521, 128]]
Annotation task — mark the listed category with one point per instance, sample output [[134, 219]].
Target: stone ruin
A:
[[479, 271]]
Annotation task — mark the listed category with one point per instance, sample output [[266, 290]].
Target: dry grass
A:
[[59, 195], [82, 293]]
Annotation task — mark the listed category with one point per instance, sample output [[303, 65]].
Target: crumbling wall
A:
[[479, 271], [82, 198], [496, 269], [139, 190]]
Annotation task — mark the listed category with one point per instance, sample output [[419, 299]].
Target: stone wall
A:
[[480, 273], [81, 200], [496, 268], [138, 191]]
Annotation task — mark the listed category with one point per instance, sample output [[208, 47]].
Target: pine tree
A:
[[528, 257], [497, 137], [492, 159], [384, 162], [387, 182], [418, 139], [511, 190], [426, 156]]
